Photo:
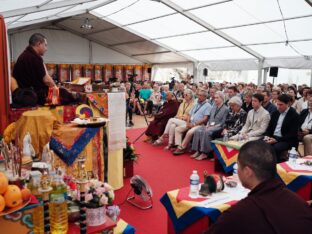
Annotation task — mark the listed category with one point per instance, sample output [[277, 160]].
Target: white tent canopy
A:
[[222, 34]]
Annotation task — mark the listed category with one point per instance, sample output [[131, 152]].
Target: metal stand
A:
[[146, 198], [142, 132]]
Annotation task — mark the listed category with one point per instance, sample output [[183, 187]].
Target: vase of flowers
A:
[[98, 195], [129, 156], [96, 216]]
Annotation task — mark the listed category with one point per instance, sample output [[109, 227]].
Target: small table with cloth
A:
[[226, 153], [297, 178], [189, 215]]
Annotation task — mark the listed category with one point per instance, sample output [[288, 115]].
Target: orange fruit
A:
[[3, 183], [2, 203], [26, 194], [13, 196]]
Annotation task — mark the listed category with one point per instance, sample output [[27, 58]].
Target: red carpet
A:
[[164, 172]]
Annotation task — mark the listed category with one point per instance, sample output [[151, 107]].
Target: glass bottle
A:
[[58, 206]]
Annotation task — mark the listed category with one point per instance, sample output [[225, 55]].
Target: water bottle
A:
[[225, 137], [194, 185], [292, 156], [235, 174]]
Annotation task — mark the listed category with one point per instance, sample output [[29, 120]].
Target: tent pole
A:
[[265, 74], [260, 67], [195, 72], [311, 79]]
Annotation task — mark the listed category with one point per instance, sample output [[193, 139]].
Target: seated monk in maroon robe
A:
[[270, 207], [157, 126], [32, 77]]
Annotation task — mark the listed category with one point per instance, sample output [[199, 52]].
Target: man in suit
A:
[[282, 132], [305, 125], [257, 120]]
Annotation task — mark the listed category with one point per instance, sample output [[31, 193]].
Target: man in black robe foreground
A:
[[270, 207]]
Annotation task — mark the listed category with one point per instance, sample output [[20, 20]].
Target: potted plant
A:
[[129, 156]]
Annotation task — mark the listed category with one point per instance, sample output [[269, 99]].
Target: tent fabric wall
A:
[[65, 47], [157, 75]]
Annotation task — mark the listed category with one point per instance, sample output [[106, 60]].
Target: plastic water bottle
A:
[[292, 156], [226, 137], [194, 185], [235, 174]]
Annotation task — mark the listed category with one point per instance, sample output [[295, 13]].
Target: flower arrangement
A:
[[97, 194], [129, 153]]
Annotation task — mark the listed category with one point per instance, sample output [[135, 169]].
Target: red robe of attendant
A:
[[270, 208], [157, 127]]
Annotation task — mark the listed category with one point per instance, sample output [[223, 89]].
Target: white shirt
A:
[[307, 124], [278, 128]]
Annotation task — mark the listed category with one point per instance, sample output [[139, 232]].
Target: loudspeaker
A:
[[149, 70], [205, 72], [273, 71]]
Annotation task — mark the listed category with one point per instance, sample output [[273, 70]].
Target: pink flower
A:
[[99, 191], [88, 197], [103, 200]]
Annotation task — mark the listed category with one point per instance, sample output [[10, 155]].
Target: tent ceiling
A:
[[178, 30]]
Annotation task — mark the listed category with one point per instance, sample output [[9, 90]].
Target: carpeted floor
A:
[[164, 172]]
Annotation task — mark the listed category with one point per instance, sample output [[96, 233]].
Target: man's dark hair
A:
[[293, 89], [267, 92], [309, 93], [260, 157], [35, 38], [284, 98], [233, 88], [258, 96]]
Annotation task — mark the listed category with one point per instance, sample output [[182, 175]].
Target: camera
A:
[[131, 77]]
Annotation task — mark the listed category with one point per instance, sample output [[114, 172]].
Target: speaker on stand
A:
[[273, 73], [205, 74]]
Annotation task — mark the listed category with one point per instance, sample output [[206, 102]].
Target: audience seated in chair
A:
[[179, 120], [154, 101], [282, 132], [267, 104], [257, 120], [305, 128], [270, 207], [235, 119], [204, 134], [199, 116], [157, 126]]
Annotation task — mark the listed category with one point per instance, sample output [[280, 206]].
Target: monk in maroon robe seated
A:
[[270, 207], [32, 76], [157, 126]]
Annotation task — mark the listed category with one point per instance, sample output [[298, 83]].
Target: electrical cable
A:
[[123, 202], [121, 9], [287, 43]]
